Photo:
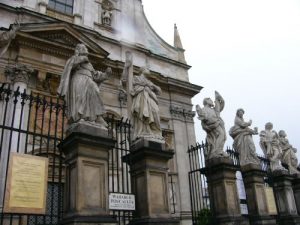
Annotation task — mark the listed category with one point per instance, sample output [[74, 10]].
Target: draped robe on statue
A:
[[82, 94], [145, 109], [243, 142]]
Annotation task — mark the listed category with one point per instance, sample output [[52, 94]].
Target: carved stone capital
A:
[[18, 73], [176, 112], [180, 113], [189, 115]]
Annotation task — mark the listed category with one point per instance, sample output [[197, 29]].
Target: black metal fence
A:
[[119, 176], [198, 183], [31, 123]]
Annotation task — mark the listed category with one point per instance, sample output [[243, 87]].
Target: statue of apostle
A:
[[80, 87], [213, 125], [144, 109], [243, 141], [289, 156], [269, 143]]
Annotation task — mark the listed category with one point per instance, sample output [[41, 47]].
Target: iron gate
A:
[[32, 123], [198, 183]]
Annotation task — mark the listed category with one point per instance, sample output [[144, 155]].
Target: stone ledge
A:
[[108, 219], [218, 164], [262, 220], [155, 221], [87, 128], [147, 144], [252, 170]]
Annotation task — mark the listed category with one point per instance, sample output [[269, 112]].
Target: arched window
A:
[[64, 6]]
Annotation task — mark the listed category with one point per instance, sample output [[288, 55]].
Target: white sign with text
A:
[[121, 201]]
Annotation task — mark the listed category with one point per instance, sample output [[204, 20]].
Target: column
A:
[[86, 190], [18, 75], [223, 195], [149, 173], [184, 136], [254, 183], [285, 200]]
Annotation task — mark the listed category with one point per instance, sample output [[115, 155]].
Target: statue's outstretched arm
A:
[[100, 76]]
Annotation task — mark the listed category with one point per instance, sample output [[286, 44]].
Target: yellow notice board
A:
[[26, 187], [271, 201]]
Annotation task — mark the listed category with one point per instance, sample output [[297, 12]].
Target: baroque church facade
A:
[[48, 33]]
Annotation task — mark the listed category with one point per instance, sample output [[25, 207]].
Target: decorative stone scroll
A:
[[18, 73]]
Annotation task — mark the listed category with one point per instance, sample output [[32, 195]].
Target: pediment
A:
[[61, 38]]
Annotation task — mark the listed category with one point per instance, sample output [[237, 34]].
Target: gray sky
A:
[[247, 50]]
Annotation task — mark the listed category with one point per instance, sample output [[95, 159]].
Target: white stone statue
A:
[[243, 141], [288, 153], [106, 17], [144, 109], [213, 124], [7, 36], [269, 143], [80, 87]]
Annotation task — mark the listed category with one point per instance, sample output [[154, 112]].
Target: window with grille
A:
[[64, 6]]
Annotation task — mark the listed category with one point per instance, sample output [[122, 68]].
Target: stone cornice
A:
[[183, 87]]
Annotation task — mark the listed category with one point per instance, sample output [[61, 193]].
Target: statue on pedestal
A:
[[213, 124], [142, 102], [288, 153], [243, 142], [269, 143], [80, 87], [144, 109]]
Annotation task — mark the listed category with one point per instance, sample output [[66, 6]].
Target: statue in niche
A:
[[243, 141], [144, 109], [269, 142], [106, 14], [106, 17], [288, 153], [80, 87], [7, 36], [213, 125]]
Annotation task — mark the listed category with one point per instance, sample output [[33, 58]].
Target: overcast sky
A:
[[249, 51]]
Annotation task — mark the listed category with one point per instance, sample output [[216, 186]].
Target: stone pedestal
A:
[[296, 189], [286, 205], [149, 173], [86, 189], [253, 178], [223, 195]]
